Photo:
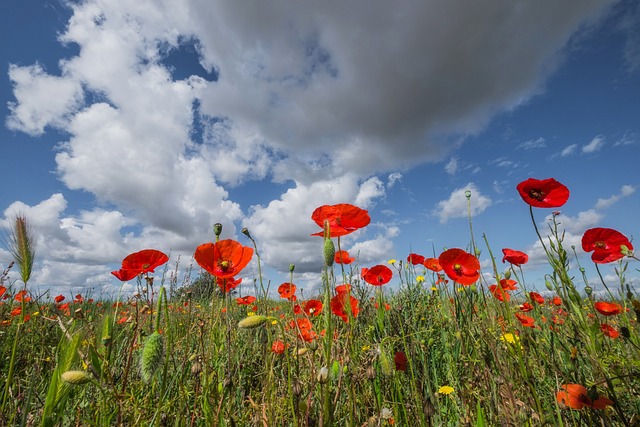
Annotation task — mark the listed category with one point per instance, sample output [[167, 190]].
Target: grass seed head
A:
[[75, 377], [152, 355]]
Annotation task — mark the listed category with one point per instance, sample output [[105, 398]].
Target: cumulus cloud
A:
[[327, 96], [456, 205]]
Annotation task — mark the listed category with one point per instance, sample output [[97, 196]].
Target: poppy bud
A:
[[245, 231], [217, 229], [329, 252], [548, 285], [467, 194], [624, 331], [296, 388], [196, 368], [252, 322], [507, 274], [292, 267], [323, 375], [371, 372], [75, 377]]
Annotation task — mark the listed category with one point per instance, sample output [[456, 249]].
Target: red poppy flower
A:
[[508, 284], [287, 290], [605, 243], [277, 347], [313, 307], [343, 289], [2, 290], [545, 193], [387, 307], [400, 360], [378, 275], [415, 259], [59, 299], [525, 307], [499, 293], [576, 396], [342, 257], [23, 294], [342, 303], [432, 264], [609, 331], [227, 284], [223, 259], [536, 297], [16, 311], [460, 266], [608, 308], [136, 263], [304, 328], [248, 300], [342, 219], [557, 301], [514, 257], [526, 321]]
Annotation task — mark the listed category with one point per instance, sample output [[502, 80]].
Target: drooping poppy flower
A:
[[609, 331], [287, 290], [313, 307], [606, 244], [58, 299], [514, 257], [499, 293], [432, 264], [141, 262], [543, 193], [415, 259], [224, 258], [227, 284], [536, 297], [400, 360], [576, 396], [525, 320], [342, 257], [342, 303], [460, 266], [608, 308], [342, 219], [248, 300], [377, 275]]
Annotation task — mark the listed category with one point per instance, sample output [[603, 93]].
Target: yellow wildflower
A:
[[445, 389]]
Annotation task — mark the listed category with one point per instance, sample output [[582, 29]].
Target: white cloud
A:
[[326, 95], [533, 144], [456, 205], [625, 191], [596, 144], [568, 150], [452, 166], [393, 178]]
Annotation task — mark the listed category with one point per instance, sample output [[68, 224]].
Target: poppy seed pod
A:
[[217, 229]]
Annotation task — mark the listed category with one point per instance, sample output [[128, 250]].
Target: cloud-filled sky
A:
[[132, 125]]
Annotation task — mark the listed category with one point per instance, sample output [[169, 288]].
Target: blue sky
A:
[[134, 125]]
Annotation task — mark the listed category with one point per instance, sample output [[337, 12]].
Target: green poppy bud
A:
[[588, 290], [329, 252], [252, 322]]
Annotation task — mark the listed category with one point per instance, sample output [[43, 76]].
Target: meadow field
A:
[[446, 347]]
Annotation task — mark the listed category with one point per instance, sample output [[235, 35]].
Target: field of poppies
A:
[[450, 345]]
